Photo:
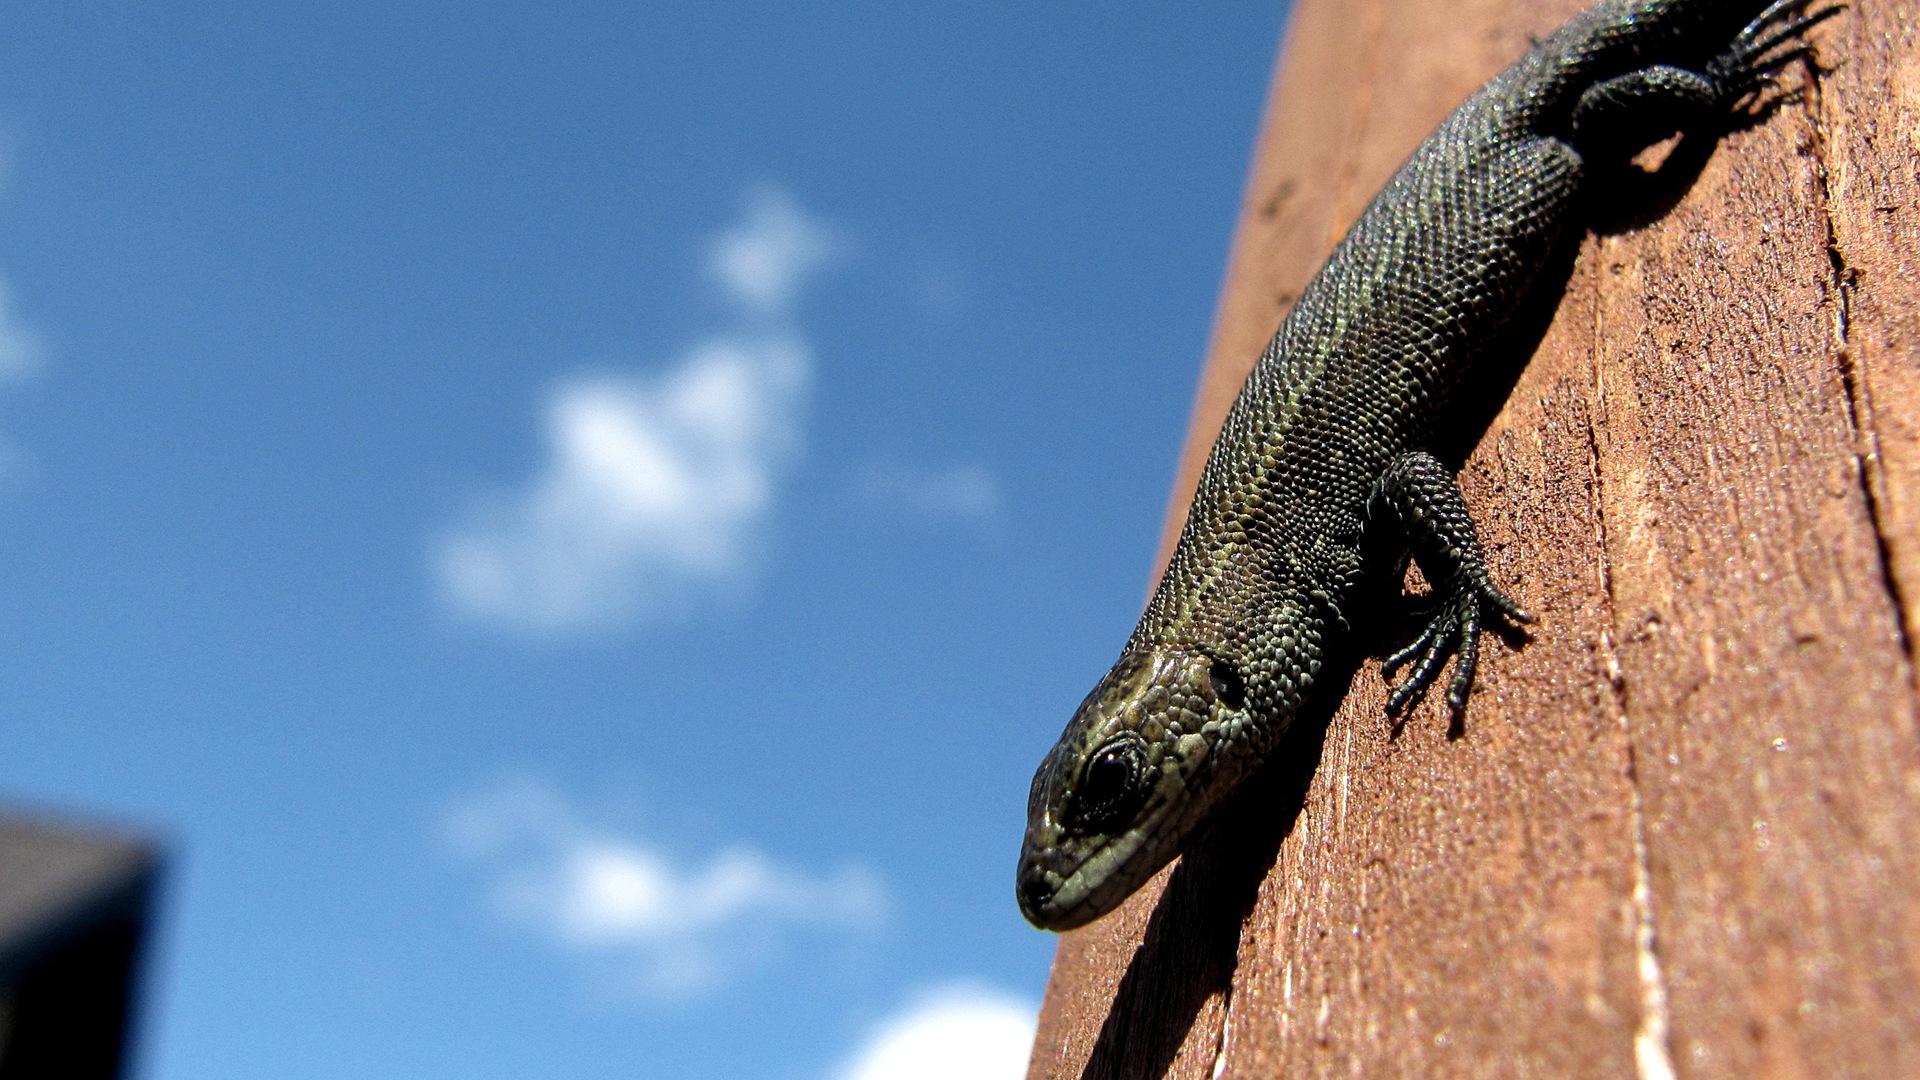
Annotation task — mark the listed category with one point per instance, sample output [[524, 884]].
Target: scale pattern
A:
[[1330, 436]]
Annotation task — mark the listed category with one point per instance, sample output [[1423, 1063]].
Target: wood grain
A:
[[1675, 835]]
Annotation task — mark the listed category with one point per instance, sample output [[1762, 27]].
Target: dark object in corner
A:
[[74, 910]]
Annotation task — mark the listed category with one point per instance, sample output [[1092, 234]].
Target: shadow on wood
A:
[[1192, 942]]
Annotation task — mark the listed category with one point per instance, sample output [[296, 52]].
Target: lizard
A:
[[1330, 444]]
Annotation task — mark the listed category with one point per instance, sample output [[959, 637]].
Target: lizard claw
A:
[[1453, 630], [1748, 66]]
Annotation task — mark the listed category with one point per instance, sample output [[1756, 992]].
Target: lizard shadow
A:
[[1191, 946], [1636, 195]]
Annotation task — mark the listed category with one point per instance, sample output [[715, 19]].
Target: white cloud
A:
[[655, 487], [961, 1031], [657, 926], [764, 260], [965, 491]]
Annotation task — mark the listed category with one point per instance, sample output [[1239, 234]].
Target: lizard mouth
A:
[[1052, 902], [1038, 891], [1059, 891]]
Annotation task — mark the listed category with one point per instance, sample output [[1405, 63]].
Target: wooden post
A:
[[1679, 832]]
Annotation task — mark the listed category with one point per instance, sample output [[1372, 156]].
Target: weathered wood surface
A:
[[1678, 833]]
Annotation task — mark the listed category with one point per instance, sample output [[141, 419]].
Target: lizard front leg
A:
[[1425, 498]]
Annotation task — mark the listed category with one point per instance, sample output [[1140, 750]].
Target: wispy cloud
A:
[[655, 925], [23, 354], [960, 1031], [656, 485], [965, 491], [766, 257], [22, 350]]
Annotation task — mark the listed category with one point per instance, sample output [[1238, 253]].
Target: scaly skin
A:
[[1330, 437]]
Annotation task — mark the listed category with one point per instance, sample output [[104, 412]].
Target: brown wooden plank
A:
[[1673, 837], [1765, 676]]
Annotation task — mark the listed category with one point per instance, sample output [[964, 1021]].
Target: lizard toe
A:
[[1453, 630]]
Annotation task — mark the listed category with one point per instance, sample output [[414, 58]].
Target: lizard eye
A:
[[1227, 687], [1110, 789]]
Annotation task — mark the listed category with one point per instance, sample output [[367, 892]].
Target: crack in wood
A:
[[1868, 469], [1652, 1040]]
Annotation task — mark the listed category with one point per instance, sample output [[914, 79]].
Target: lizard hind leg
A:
[[1617, 118], [1423, 495]]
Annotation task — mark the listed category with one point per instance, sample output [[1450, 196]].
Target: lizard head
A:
[[1134, 773]]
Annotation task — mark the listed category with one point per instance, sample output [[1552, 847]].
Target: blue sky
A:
[[577, 525]]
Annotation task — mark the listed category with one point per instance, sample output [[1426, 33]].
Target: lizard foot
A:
[[1749, 64], [1452, 630]]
